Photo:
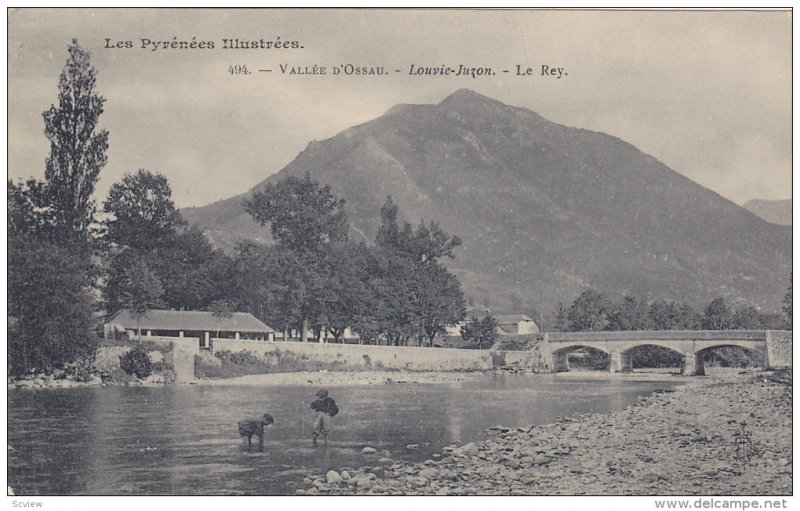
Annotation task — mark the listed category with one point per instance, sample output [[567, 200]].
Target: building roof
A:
[[189, 320], [502, 331], [509, 319], [477, 312]]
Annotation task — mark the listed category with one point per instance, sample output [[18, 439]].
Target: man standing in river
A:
[[324, 408]]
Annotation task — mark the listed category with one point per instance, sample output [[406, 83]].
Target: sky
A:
[[707, 93]]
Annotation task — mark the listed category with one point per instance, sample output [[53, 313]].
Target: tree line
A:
[[594, 311], [314, 277]]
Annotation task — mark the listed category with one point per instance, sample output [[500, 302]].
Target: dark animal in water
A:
[[249, 427]]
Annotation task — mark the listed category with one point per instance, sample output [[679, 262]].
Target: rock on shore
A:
[[672, 443]]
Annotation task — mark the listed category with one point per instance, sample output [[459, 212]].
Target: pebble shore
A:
[[671, 443], [329, 379], [343, 378]]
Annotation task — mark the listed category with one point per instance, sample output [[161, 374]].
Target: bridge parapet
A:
[[660, 335]]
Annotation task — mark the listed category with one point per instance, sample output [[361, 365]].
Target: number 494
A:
[[238, 69]]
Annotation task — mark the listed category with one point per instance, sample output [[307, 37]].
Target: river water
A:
[[183, 439]]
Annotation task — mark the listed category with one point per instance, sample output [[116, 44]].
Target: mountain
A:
[[544, 210], [773, 211]]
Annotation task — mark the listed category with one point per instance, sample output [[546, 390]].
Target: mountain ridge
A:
[[543, 209], [773, 211]]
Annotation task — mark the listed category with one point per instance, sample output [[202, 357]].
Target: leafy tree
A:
[[397, 289], [370, 320], [787, 304], [142, 291], [589, 312], [28, 214], [389, 231], [440, 301], [77, 148], [143, 214], [145, 225], [773, 321], [276, 285], [116, 279], [258, 284], [717, 315], [630, 314], [426, 244], [50, 305], [747, 318], [418, 294], [346, 292], [667, 315], [480, 331], [560, 323], [221, 310], [304, 219], [192, 272], [301, 214]]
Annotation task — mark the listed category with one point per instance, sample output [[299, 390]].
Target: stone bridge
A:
[[774, 347]]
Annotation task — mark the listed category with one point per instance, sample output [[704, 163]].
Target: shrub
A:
[[136, 362]]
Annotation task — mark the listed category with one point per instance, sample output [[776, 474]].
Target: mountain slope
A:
[[544, 210], [773, 211]]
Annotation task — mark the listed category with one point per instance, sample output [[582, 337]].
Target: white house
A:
[[507, 324], [511, 324]]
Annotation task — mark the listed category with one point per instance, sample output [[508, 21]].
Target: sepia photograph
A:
[[397, 252]]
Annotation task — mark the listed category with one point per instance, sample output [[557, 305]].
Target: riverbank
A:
[[343, 378], [331, 379], [326, 378], [672, 443], [323, 378]]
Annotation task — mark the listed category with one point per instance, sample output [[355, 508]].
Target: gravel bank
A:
[[673, 443], [330, 379], [344, 378]]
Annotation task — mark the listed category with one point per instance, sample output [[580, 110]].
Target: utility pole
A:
[[541, 311]]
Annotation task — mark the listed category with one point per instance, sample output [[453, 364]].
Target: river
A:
[[183, 439]]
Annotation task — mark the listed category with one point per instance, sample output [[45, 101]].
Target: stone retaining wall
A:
[[386, 357]]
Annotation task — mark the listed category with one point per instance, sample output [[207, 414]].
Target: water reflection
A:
[[183, 440]]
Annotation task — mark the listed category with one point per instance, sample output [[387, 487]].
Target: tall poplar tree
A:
[[50, 273], [77, 147]]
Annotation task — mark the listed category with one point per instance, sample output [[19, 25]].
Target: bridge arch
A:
[[672, 346], [666, 355], [755, 346], [752, 355], [561, 355], [568, 348]]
